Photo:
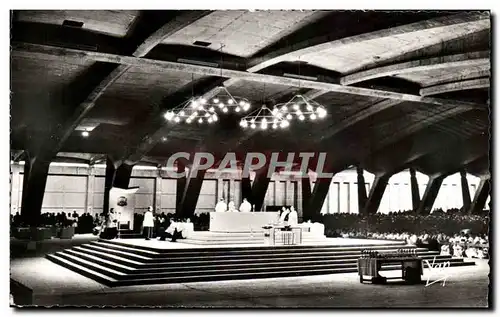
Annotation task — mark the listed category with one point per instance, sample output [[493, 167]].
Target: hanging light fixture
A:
[[225, 102], [302, 108], [192, 110], [187, 113], [222, 102], [263, 119]]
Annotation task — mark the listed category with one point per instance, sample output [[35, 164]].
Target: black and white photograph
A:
[[250, 158]]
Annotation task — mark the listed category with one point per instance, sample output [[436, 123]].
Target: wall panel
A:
[[208, 195], [68, 189]]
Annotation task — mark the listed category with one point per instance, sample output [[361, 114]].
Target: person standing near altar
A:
[[148, 223], [284, 214], [293, 217], [245, 206], [232, 207], [108, 228], [221, 206]]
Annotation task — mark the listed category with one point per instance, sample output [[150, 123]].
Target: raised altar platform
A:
[[241, 221], [122, 262]]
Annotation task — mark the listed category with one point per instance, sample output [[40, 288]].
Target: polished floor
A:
[[55, 285]]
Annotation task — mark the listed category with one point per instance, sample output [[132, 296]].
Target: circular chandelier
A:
[[204, 110], [300, 107], [225, 102], [262, 118], [192, 110]]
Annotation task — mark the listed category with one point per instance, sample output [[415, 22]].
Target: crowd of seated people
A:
[[451, 232], [83, 223]]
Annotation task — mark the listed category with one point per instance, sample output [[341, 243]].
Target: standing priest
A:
[[221, 206], [245, 206]]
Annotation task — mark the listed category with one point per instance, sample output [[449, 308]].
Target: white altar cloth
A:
[[241, 221], [186, 229]]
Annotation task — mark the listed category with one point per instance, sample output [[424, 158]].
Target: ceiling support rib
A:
[[24, 49]]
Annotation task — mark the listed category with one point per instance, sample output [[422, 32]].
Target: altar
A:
[[241, 221]]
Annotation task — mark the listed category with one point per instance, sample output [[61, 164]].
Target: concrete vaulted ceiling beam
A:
[[479, 168], [294, 51], [420, 125], [104, 75], [360, 33], [430, 64], [362, 115], [460, 75], [25, 49], [470, 157], [456, 86], [438, 150]]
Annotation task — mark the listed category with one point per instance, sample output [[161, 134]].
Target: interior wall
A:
[[81, 188]]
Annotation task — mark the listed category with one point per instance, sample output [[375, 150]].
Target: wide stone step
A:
[[197, 266], [116, 263], [123, 273], [256, 275], [194, 261], [251, 249], [219, 257], [73, 266]]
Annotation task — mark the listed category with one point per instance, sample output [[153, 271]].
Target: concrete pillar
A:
[[319, 193], [15, 189], [181, 184], [246, 190], [306, 193], [431, 192], [220, 189], [158, 192], [361, 190], [465, 191], [89, 206], [231, 195], [482, 192], [415, 193], [259, 188], [122, 176], [117, 175], [191, 193], [288, 200], [36, 171], [376, 194]]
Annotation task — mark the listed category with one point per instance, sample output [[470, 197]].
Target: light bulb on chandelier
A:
[[264, 117], [301, 107]]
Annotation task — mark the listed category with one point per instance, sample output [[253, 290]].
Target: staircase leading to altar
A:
[[124, 262]]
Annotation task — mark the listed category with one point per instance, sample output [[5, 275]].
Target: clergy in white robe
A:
[[245, 206], [221, 206], [293, 217], [283, 215], [232, 207], [148, 223]]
